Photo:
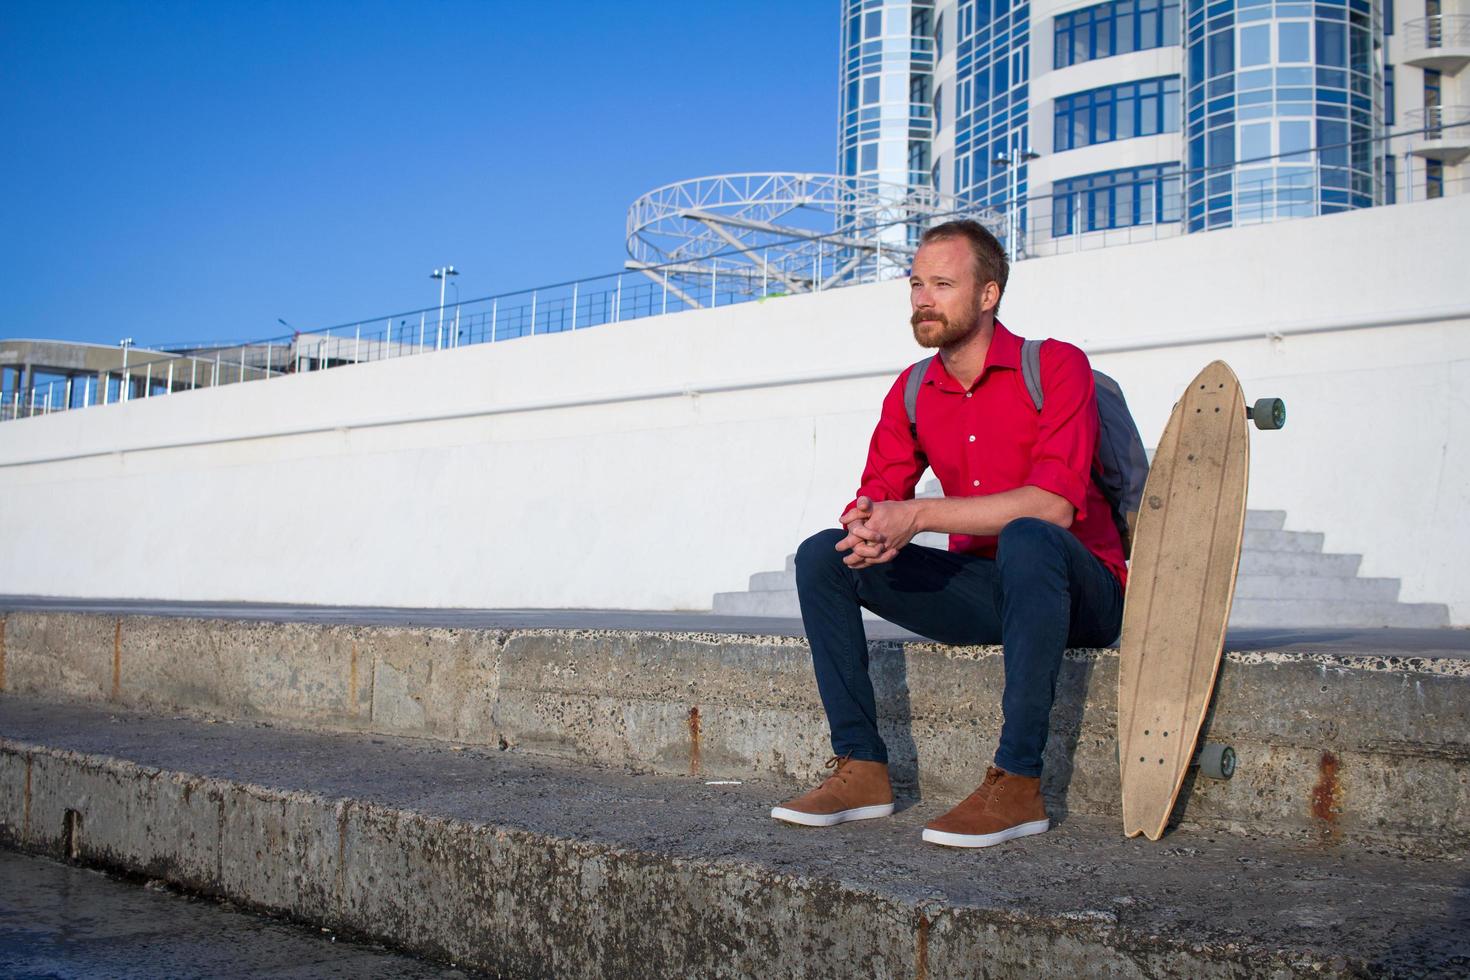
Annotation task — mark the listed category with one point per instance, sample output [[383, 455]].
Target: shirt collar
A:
[[1004, 351]]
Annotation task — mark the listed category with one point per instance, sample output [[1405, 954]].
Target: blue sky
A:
[[193, 171]]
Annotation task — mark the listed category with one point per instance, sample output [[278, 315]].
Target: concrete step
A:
[[1259, 601], [782, 581], [1299, 564], [780, 603], [1265, 520], [1249, 584], [522, 866], [1338, 612], [1296, 542], [1384, 732]]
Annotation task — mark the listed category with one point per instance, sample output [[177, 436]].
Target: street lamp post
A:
[[125, 343], [1013, 161], [443, 276]]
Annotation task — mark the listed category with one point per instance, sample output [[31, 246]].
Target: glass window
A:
[[1123, 37], [1294, 137], [918, 155], [1148, 113], [873, 24], [1221, 53], [1117, 112], [870, 90], [1388, 113], [1221, 147], [1116, 199], [1126, 116], [1331, 44], [1115, 28], [1293, 42], [869, 157], [1255, 45], [1255, 141], [1332, 137], [1433, 177]]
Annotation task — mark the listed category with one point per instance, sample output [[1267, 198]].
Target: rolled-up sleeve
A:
[[895, 461], [1066, 435]]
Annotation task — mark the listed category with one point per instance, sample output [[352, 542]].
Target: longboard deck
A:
[[1186, 551]]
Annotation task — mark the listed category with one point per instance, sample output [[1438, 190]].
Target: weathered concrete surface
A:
[[1371, 750], [533, 867], [1453, 644]]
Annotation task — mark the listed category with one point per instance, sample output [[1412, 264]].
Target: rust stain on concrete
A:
[[352, 681], [694, 741], [921, 955], [342, 809], [25, 818], [117, 660], [1327, 795]]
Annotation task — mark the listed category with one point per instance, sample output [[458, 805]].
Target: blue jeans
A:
[[1041, 593]]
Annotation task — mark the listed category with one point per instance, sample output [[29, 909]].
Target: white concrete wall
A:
[[653, 463]]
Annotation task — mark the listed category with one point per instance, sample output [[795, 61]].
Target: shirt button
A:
[[968, 394], [972, 438], [975, 484]]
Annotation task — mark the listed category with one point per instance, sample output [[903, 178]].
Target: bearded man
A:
[[1035, 561]]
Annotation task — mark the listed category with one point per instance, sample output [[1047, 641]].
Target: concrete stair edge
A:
[[421, 872]]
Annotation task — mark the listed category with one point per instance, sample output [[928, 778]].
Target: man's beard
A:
[[934, 329]]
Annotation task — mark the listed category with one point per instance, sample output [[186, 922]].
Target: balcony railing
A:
[[1441, 41], [1435, 119]]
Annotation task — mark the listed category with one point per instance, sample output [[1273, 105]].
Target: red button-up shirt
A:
[[989, 438]]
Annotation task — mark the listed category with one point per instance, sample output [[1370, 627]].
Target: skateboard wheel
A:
[[1217, 761], [1268, 413]]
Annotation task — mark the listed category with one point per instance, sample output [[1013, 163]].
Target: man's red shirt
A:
[[989, 438]]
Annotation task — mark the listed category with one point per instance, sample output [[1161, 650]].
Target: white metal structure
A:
[[763, 233]]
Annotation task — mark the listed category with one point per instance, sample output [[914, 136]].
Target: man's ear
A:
[[990, 296]]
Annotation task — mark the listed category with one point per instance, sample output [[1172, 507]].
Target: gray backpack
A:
[[1120, 465]]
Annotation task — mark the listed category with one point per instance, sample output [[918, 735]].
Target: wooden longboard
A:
[[1186, 550]]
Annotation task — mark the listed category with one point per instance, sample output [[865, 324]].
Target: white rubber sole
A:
[[987, 840], [832, 819]]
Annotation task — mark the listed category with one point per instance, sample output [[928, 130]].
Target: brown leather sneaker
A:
[[856, 790], [1006, 806]]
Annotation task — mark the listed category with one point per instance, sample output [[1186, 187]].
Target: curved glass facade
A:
[[1274, 94], [992, 41], [887, 118]]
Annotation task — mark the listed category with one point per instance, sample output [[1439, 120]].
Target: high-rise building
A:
[[1173, 116], [886, 107]]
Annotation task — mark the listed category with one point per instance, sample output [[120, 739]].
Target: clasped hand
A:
[[876, 531]]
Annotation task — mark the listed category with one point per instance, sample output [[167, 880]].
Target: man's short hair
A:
[[990, 258]]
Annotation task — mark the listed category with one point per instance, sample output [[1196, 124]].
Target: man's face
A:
[[944, 293]]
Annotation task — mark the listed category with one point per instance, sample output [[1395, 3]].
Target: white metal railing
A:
[[1433, 120], [1264, 190], [1426, 34]]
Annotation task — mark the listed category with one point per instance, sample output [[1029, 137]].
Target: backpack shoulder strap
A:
[[1031, 370], [911, 392]]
